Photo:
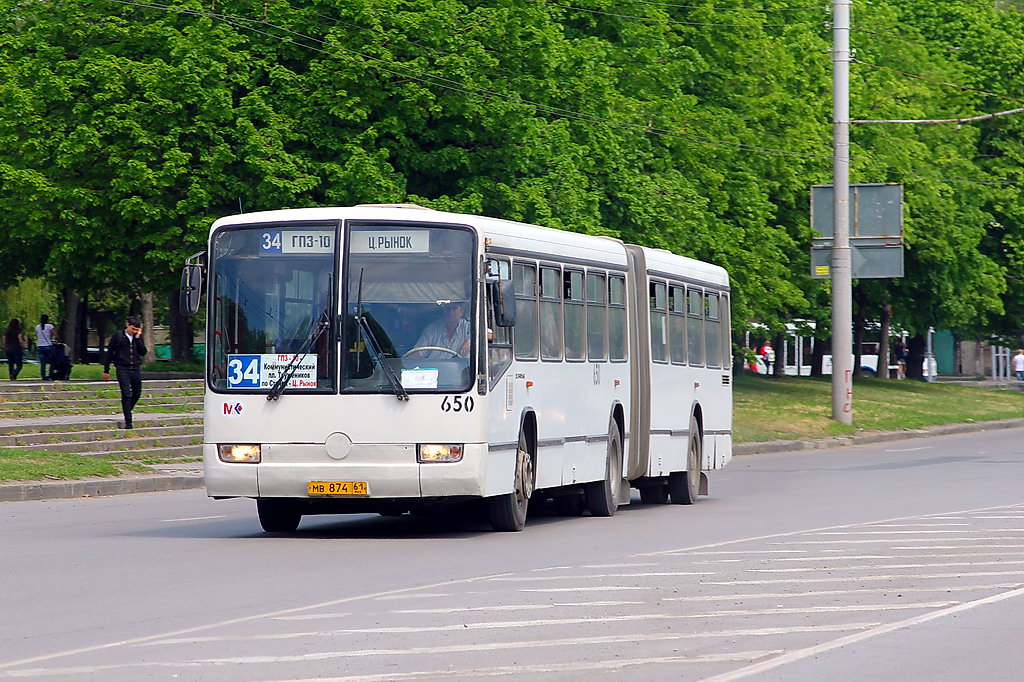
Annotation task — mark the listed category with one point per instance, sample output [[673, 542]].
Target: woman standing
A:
[[14, 348]]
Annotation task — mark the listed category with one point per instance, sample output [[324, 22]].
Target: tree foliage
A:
[[699, 128]]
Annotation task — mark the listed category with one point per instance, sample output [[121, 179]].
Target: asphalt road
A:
[[899, 561]]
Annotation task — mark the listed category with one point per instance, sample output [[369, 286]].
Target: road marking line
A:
[[788, 534], [315, 616], [881, 591], [855, 578], [445, 674], [596, 588], [879, 541], [508, 625], [420, 595], [638, 565], [923, 447], [794, 656], [520, 607], [890, 566], [962, 547], [194, 518], [518, 579], [235, 621], [833, 557]]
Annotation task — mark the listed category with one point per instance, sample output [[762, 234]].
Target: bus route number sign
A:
[[296, 241]]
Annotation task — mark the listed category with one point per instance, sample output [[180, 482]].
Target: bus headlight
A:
[[239, 453], [432, 452]]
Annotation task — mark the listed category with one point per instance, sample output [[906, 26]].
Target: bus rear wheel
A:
[[278, 515], [603, 496], [508, 512], [683, 486]]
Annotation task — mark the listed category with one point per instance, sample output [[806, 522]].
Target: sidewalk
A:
[[187, 475]]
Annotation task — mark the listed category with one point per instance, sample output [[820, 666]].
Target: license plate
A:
[[336, 487]]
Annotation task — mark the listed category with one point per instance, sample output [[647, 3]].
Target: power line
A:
[[818, 8], [449, 84], [938, 82], [671, 21]]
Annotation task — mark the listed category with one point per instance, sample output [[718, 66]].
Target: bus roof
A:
[[505, 235]]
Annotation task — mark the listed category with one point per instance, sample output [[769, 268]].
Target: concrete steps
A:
[[82, 418]]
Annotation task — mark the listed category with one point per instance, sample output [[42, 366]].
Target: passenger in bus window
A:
[[452, 331]]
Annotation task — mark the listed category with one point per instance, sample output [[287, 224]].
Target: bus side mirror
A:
[[191, 290], [503, 297]]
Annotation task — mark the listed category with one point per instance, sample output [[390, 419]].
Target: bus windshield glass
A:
[[272, 299], [409, 293]]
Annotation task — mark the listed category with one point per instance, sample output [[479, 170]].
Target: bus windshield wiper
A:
[[286, 374], [378, 356]]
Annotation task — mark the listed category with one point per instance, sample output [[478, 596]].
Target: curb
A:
[[772, 446], [58, 490]]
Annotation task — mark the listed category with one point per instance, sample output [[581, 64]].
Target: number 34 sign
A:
[[262, 371]]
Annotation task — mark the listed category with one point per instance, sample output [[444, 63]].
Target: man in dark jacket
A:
[[125, 351]]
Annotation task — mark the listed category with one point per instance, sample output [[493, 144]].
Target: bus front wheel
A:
[[508, 512], [683, 486], [277, 515], [603, 496]]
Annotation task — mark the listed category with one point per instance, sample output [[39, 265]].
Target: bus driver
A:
[[451, 332]]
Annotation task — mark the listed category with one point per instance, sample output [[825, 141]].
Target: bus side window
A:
[[575, 316], [617, 318], [597, 316], [677, 323], [499, 347], [726, 333], [550, 313], [659, 336], [695, 325], [712, 330], [525, 334]]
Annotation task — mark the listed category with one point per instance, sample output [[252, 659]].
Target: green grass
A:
[[36, 465], [94, 372], [800, 408]]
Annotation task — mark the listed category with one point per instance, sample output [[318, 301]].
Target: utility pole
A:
[[841, 270]]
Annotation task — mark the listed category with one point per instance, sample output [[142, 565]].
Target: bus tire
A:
[[683, 486], [603, 496], [278, 515], [507, 513]]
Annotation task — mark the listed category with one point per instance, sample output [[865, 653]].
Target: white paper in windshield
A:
[[419, 378]]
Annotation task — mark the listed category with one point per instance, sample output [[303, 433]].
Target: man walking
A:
[[125, 350]]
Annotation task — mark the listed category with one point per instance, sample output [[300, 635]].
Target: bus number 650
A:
[[457, 404]]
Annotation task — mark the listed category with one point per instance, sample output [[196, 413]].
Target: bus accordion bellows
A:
[[392, 359]]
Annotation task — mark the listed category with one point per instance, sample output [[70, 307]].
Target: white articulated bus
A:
[[391, 358]]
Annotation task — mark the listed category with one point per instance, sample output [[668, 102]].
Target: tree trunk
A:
[[181, 330], [817, 356], [68, 333], [82, 341], [915, 356], [147, 326], [883, 342], [779, 368], [858, 330]]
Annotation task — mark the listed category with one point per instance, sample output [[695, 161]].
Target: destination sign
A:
[[297, 241], [389, 241], [263, 371]]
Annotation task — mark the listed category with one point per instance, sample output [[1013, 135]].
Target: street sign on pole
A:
[[876, 230]]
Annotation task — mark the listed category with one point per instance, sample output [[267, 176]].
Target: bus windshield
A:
[[273, 288], [412, 285]]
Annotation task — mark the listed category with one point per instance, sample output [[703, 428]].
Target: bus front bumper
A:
[[389, 471]]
